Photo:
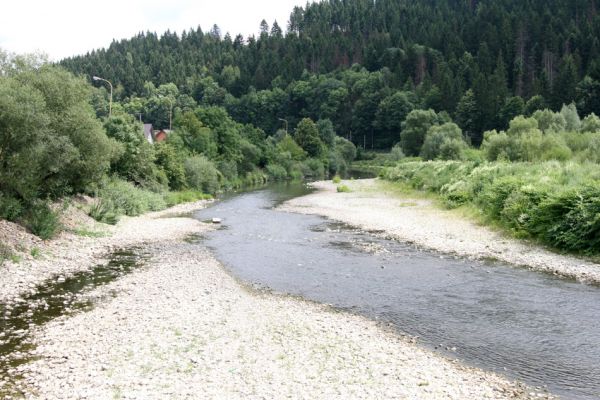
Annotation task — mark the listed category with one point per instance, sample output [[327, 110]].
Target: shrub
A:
[[168, 159], [42, 221], [414, 130], [345, 148], [103, 210], [570, 220], [591, 123], [396, 154], [437, 137], [336, 179], [201, 174], [118, 197], [519, 196], [343, 189], [452, 149], [313, 168], [307, 137], [10, 208], [276, 172]]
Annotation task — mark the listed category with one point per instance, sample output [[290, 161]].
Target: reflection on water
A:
[[530, 326]]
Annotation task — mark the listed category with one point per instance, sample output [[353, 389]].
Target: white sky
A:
[[62, 28]]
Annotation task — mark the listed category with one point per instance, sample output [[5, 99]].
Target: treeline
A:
[[481, 61], [53, 145]]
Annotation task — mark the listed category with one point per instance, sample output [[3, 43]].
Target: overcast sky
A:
[[62, 28]]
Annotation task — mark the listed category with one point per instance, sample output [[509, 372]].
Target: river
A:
[[534, 327]]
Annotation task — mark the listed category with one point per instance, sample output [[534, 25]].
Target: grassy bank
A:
[[555, 203], [119, 198]]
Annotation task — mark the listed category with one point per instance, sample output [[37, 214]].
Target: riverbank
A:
[[183, 328], [371, 205], [84, 244]]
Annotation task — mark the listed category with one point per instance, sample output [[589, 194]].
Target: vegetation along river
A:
[[530, 326]]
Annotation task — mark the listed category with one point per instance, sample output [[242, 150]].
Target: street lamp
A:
[[170, 111], [286, 124], [96, 78]]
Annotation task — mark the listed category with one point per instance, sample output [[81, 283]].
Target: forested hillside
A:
[[365, 64]]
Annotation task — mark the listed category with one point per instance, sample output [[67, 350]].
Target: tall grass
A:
[[557, 203], [119, 197]]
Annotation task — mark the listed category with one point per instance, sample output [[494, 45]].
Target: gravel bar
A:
[[183, 328], [71, 252], [369, 206]]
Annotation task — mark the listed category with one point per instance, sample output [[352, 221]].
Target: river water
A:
[[526, 325]]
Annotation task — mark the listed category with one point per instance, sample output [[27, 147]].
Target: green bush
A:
[[123, 198], [313, 168], [569, 220], [276, 172], [519, 196], [343, 189], [336, 179], [10, 208], [396, 154], [42, 221], [104, 211], [201, 174]]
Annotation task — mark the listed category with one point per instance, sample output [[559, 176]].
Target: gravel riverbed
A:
[[370, 207], [181, 327], [85, 247]]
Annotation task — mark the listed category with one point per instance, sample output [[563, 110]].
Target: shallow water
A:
[[530, 326], [47, 301]]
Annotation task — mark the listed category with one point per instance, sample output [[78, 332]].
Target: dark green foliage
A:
[[170, 161], [326, 131], [391, 113], [569, 220], [196, 137], [10, 208], [534, 104], [41, 220], [50, 142], [434, 52], [135, 162], [414, 129], [467, 114], [307, 137]]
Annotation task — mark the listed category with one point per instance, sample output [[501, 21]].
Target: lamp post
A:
[[286, 124], [170, 111], [97, 78]]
